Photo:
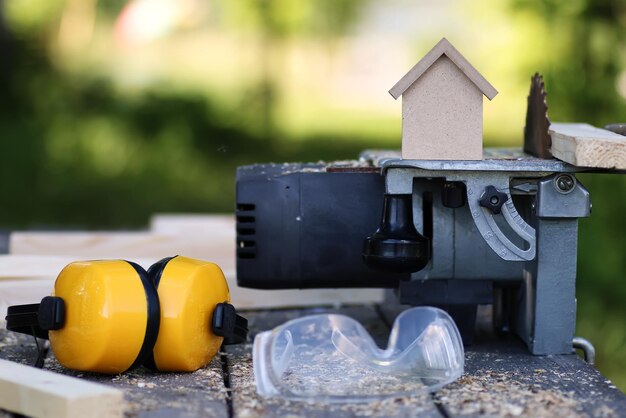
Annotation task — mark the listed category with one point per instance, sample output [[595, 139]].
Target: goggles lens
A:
[[333, 358]]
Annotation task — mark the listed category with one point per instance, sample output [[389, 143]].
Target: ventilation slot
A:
[[246, 249], [245, 219], [245, 207], [246, 229]]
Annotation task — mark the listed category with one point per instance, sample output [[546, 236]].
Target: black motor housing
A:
[[303, 226]]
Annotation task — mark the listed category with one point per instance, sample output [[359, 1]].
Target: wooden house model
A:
[[442, 107]]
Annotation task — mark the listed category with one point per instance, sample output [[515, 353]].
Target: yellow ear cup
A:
[[111, 316], [188, 290]]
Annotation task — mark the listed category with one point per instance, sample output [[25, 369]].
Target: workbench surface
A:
[[501, 379]]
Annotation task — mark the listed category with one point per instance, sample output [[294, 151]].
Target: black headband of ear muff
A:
[[154, 317], [37, 318], [155, 272]]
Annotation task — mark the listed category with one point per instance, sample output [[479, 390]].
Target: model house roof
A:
[[443, 47]]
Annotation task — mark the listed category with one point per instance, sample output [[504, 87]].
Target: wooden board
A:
[[16, 267], [501, 379], [587, 146], [247, 403], [26, 279], [146, 245], [22, 292], [42, 255], [41, 393], [146, 394], [220, 229]]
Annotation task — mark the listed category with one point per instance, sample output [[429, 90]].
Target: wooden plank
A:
[[221, 229], [217, 227], [40, 393], [22, 292], [17, 267], [124, 245], [16, 292], [247, 403], [583, 145], [37, 270], [501, 379], [245, 298], [209, 237]]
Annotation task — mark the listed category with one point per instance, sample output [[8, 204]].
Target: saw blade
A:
[[537, 141]]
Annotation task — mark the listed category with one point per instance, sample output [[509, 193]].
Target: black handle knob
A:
[[396, 245]]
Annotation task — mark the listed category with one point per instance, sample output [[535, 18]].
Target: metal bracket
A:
[[562, 196], [399, 180], [485, 221]]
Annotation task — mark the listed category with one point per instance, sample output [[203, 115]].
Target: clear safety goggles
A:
[[333, 358]]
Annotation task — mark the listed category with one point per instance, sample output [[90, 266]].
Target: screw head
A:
[[564, 183]]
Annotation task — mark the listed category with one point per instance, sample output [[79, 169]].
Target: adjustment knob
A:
[[396, 245], [492, 199]]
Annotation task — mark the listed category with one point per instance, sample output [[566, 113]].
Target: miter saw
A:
[[454, 234]]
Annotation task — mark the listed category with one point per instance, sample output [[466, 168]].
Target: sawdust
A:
[[247, 403], [502, 396], [495, 384], [200, 393], [493, 389], [314, 167], [485, 392], [605, 412], [321, 371]]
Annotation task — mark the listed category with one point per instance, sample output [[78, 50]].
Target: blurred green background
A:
[[111, 111]]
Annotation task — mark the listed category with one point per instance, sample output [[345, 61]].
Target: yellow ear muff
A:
[[189, 291], [111, 316]]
